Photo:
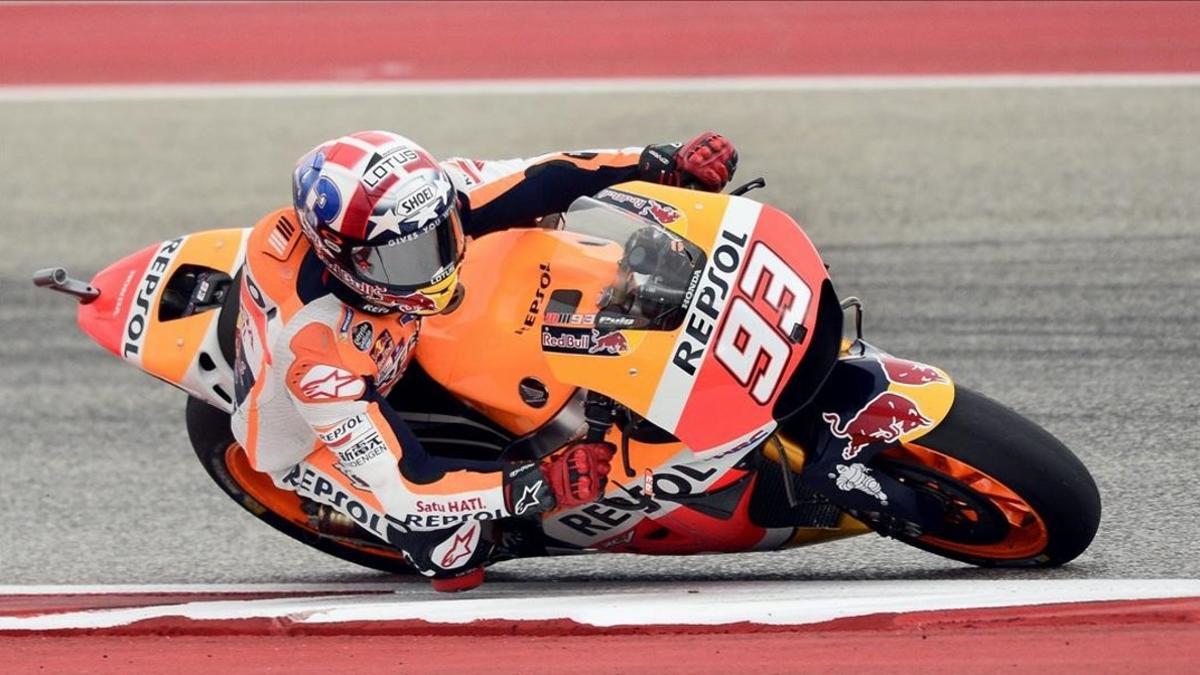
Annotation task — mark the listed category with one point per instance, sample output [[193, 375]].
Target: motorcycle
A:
[[700, 333]]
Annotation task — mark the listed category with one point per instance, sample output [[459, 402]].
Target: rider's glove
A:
[[706, 162], [579, 472], [574, 476]]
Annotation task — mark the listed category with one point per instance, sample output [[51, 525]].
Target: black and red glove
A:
[[706, 162], [574, 476]]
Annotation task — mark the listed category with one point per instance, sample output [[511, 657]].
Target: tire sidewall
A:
[[1029, 461]]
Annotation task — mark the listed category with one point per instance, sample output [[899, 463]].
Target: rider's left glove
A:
[[706, 162], [574, 476]]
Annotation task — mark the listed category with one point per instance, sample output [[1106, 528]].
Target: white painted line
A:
[[261, 90], [780, 603]]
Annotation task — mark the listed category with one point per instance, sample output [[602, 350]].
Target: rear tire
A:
[[208, 429], [1026, 460]]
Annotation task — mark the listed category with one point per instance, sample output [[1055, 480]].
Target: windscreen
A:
[[657, 271]]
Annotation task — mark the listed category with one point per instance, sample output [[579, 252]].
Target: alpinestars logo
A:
[[461, 548], [326, 383], [529, 499]]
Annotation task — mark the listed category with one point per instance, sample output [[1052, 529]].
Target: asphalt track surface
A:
[[1040, 244]]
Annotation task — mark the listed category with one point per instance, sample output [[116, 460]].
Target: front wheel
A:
[[1011, 494]]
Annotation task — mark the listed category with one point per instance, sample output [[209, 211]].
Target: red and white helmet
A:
[[383, 217]]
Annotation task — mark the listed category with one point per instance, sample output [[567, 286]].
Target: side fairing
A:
[[748, 322], [126, 318]]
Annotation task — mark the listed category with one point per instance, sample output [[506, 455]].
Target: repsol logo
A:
[[139, 313], [340, 433], [677, 482], [711, 298], [539, 296], [434, 521], [305, 481]]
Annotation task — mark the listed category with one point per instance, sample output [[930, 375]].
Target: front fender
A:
[[873, 399], [870, 402]]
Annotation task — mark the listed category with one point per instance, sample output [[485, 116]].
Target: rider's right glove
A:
[[574, 476], [706, 162]]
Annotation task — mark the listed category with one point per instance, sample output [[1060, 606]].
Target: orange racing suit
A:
[[314, 366]]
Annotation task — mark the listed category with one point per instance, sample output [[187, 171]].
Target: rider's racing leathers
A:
[[314, 366]]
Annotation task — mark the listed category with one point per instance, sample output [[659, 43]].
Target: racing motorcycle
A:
[[700, 333]]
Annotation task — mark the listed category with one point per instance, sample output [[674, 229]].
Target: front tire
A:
[[1014, 495], [226, 464]]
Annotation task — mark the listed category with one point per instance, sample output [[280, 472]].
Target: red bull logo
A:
[[661, 212], [409, 302], [884, 420], [418, 302], [610, 343], [909, 372]]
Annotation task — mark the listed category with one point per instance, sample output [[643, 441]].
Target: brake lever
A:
[[625, 463], [755, 184]]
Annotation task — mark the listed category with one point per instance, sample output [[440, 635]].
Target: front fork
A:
[[871, 402]]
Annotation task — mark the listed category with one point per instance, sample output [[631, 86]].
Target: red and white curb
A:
[[255, 609]]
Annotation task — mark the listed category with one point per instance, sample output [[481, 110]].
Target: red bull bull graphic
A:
[[660, 212], [569, 340], [884, 419], [409, 302], [663, 214], [911, 373], [610, 343]]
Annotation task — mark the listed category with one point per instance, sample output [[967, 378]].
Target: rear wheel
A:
[[1011, 495], [226, 462]]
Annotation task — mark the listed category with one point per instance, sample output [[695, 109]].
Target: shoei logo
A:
[[409, 216], [414, 201]]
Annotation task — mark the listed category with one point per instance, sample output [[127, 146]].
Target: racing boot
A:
[[452, 558], [463, 581]]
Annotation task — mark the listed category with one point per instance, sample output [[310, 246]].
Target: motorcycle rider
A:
[[331, 296]]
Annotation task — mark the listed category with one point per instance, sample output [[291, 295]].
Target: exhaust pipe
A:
[[56, 279]]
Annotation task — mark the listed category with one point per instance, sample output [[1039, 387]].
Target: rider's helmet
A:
[[383, 218]]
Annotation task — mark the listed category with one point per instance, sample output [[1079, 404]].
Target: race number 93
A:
[[753, 349]]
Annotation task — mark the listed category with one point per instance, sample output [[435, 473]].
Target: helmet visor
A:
[[414, 263]]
